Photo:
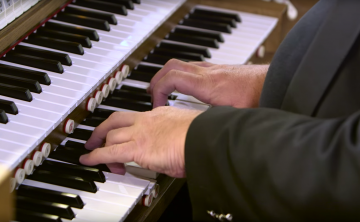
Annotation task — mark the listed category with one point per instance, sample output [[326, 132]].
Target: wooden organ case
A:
[[19, 158]]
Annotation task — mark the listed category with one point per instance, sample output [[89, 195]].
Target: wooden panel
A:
[[26, 22], [6, 203]]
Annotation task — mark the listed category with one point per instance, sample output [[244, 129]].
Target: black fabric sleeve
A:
[[269, 165]]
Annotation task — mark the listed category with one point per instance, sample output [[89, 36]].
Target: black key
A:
[[133, 89], [200, 33], [93, 121], [209, 42], [72, 150], [41, 206], [221, 27], [128, 104], [140, 76], [217, 14], [193, 49], [33, 61], [160, 59], [137, 1], [81, 134], [110, 18], [103, 6], [15, 92], [46, 54], [41, 77], [30, 216], [71, 155], [144, 97], [127, 3], [30, 84], [102, 113], [181, 54], [72, 200], [147, 69], [3, 117], [91, 33], [75, 145], [229, 21], [84, 20], [81, 39], [88, 173], [8, 106], [62, 45], [60, 179]]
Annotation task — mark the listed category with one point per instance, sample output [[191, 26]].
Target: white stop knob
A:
[[147, 200], [69, 126], [19, 175], [261, 52], [45, 149], [155, 191], [105, 89], [98, 97], [28, 166], [118, 76], [112, 83], [91, 104], [125, 69], [37, 158]]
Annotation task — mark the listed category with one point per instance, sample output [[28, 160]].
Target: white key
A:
[[116, 109], [31, 121], [58, 79], [99, 195], [10, 159], [85, 56], [23, 130], [13, 147], [188, 105], [120, 189], [134, 182], [39, 105], [18, 138], [57, 90], [94, 215], [55, 99]]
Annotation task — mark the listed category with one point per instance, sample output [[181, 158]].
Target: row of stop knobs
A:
[[100, 94], [36, 158]]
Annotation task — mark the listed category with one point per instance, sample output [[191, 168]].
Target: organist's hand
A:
[[155, 140], [219, 85]]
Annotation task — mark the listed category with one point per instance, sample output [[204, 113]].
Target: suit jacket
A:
[[296, 162]]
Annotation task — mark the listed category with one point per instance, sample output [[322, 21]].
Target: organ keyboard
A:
[[72, 70]]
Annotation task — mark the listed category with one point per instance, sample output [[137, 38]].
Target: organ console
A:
[[67, 65]]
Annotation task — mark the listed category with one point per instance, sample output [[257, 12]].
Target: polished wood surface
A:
[[26, 22], [6, 200]]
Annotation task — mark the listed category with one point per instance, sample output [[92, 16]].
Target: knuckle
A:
[[114, 150], [114, 115]]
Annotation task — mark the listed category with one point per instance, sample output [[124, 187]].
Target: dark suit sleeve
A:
[[270, 165]]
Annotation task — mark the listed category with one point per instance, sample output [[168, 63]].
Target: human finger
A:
[[118, 136], [172, 64], [115, 120], [203, 64], [117, 153], [117, 168], [183, 82]]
